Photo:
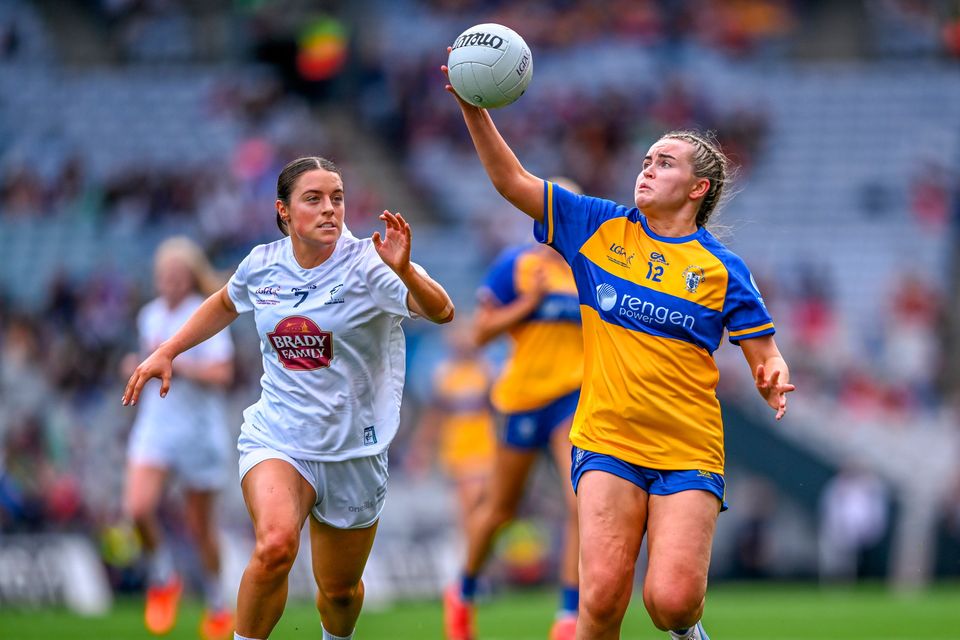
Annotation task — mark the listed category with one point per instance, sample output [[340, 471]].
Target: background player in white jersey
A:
[[328, 309], [186, 436]]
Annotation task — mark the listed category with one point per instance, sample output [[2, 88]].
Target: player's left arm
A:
[[425, 296], [215, 373], [770, 372], [493, 319]]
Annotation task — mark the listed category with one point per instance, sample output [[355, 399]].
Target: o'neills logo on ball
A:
[[479, 39], [301, 345]]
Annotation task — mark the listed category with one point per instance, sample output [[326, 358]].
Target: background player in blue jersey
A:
[[328, 308], [657, 292], [458, 425], [529, 294]]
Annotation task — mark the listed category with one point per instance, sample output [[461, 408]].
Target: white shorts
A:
[[198, 457], [350, 493]]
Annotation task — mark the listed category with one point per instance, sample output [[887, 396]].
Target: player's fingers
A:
[[164, 384], [775, 378], [760, 377], [128, 390], [782, 409], [404, 225], [141, 380], [377, 240], [787, 387], [390, 219]]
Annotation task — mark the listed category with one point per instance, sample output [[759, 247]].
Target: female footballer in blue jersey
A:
[[657, 291], [530, 295]]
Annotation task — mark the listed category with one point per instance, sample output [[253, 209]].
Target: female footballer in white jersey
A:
[[185, 436], [328, 309]]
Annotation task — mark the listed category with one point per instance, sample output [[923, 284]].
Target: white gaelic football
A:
[[490, 65]]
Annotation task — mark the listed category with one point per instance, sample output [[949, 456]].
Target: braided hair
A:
[[709, 162]]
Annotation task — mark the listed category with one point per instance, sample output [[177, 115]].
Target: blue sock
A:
[[468, 587], [569, 600]]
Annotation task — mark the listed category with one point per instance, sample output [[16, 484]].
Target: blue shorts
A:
[[532, 429], [654, 481]]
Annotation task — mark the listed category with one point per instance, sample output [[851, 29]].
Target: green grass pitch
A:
[[734, 612]]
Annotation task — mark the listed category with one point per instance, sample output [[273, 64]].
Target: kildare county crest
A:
[[301, 345], [692, 278]]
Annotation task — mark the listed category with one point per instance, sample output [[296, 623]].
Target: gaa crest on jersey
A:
[[656, 256], [301, 345], [692, 277]]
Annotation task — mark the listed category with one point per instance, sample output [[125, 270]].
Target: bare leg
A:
[[560, 448], [278, 499], [680, 531], [499, 504], [613, 517], [469, 490], [201, 522], [339, 557], [144, 488]]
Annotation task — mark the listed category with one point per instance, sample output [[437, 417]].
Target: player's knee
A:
[[339, 595], [140, 511], [605, 594], [673, 606], [500, 513], [276, 549], [205, 537]]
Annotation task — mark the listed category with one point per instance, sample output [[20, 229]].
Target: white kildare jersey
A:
[[189, 407], [333, 350]]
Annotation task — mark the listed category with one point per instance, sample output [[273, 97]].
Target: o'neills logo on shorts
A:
[[301, 345]]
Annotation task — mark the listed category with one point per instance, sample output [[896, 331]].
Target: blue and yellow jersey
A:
[[546, 361], [654, 310], [467, 433]]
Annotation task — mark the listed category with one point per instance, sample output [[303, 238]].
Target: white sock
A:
[[213, 592], [687, 634], [237, 636], [329, 636], [160, 565]]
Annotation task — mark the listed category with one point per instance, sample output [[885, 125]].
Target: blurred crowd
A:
[[62, 432]]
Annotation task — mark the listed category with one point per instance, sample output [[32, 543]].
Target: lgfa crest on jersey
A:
[[692, 277], [301, 345]]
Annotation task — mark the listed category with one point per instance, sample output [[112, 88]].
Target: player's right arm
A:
[[523, 189], [211, 317], [492, 319]]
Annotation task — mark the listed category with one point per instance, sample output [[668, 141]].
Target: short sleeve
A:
[[237, 287], [218, 348], [744, 313], [499, 283], [569, 219], [142, 332], [386, 287]]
